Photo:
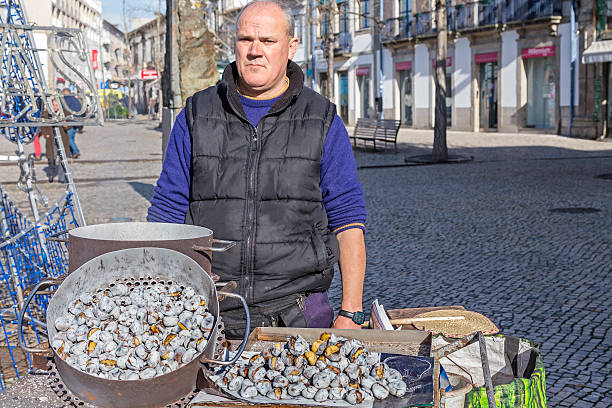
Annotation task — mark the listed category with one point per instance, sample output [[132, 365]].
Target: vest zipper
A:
[[250, 216]]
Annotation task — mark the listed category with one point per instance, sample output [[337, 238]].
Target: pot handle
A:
[[39, 286], [226, 245], [247, 330]]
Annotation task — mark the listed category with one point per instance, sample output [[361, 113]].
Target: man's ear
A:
[[293, 46]]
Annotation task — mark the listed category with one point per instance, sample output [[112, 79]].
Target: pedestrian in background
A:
[[75, 106], [152, 113], [51, 151]]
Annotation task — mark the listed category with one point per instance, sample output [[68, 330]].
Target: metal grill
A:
[[63, 393]]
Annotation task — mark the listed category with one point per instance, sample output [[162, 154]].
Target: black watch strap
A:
[[357, 317]]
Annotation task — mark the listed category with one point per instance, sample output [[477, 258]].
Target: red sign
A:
[[403, 66], [538, 52], [449, 62], [94, 59], [485, 57], [363, 71], [148, 74]]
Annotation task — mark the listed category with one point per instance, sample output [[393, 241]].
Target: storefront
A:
[[404, 77], [541, 72], [487, 86], [599, 53], [363, 86]]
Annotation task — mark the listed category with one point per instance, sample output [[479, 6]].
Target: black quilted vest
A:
[[261, 188]]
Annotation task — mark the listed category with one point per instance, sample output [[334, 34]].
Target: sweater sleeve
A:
[[170, 201], [342, 193]]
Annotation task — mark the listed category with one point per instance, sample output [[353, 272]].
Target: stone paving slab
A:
[[480, 234]]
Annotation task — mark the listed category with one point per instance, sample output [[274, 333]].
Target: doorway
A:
[[322, 83], [488, 95], [363, 83], [343, 95], [405, 80], [541, 80]]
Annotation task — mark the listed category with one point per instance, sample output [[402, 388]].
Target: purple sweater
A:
[[342, 193]]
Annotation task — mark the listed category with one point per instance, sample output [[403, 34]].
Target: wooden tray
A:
[[407, 342]]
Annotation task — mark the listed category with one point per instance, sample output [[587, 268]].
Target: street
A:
[[522, 233]]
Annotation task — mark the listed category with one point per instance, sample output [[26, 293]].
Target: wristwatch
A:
[[357, 317]]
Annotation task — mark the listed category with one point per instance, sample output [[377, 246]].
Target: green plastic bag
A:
[[516, 367], [520, 393]]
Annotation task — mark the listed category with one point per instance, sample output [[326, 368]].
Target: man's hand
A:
[[342, 322], [352, 269]]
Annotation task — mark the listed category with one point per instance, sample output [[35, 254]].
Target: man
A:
[[266, 162], [75, 106]]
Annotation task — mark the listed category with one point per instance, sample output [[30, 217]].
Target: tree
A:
[[440, 149]]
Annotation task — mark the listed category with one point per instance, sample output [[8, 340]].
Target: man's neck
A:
[[268, 94]]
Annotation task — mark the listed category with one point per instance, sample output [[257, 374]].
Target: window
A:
[[405, 17], [364, 11], [343, 16], [325, 26]]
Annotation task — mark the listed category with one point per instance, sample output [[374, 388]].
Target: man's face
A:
[[263, 48]]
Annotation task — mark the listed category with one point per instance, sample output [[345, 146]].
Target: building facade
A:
[[146, 62], [508, 67], [85, 15], [593, 113], [113, 55], [512, 65]]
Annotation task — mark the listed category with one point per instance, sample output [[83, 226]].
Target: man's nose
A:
[[255, 50]]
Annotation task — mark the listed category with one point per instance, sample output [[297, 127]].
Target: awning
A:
[[598, 51]]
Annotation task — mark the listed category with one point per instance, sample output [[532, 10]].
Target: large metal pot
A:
[[135, 263], [196, 242]]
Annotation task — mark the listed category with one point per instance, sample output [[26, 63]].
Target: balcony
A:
[[398, 28], [525, 10], [487, 12], [423, 24], [463, 17], [343, 43]]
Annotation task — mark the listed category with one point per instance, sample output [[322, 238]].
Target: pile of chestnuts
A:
[[331, 368], [130, 331]]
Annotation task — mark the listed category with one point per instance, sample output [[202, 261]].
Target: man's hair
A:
[[66, 90], [285, 9]]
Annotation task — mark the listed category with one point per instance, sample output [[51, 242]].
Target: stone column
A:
[[507, 82]]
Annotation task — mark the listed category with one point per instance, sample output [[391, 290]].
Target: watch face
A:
[[359, 317]]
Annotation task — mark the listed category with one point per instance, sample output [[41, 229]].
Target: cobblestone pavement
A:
[[480, 234]]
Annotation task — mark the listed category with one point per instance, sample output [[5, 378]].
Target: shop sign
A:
[[362, 71], [449, 62], [485, 57], [538, 52], [94, 59], [403, 66], [148, 74]]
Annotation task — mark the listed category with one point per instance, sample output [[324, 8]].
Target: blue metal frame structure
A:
[[29, 251]]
